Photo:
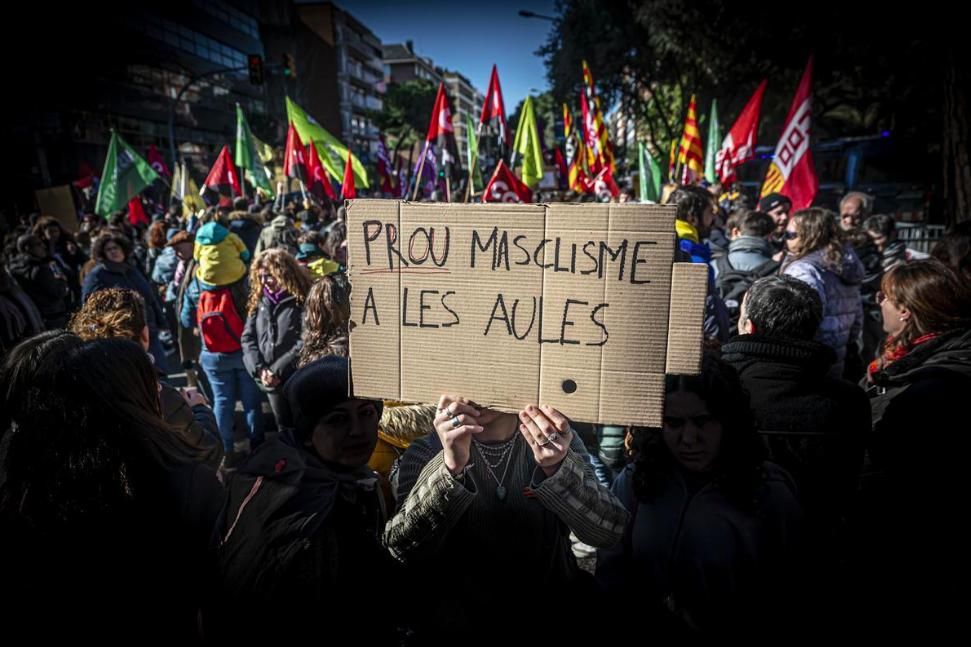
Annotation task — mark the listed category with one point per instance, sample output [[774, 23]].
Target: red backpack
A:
[[219, 324]]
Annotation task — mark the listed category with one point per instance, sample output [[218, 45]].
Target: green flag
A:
[[527, 145], [649, 174], [475, 172], [333, 154], [247, 155], [714, 141], [124, 176]]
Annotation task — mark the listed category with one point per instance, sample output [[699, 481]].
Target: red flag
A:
[[223, 177], [506, 187], [561, 168], [604, 185], [442, 134], [136, 212], [295, 156], [85, 176], [792, 172], [318, 182], [493, 108], [739, 144], [155, 160], [348, 192]]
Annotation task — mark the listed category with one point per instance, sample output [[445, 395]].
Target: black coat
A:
[[909, 523], [813, 425], [300, 540], [247, 229], [107, 274], [271, 338], [44, 283]]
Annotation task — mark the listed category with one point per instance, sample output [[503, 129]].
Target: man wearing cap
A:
[[778, 206]]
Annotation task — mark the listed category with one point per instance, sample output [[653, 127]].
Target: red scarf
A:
[[893, 352]]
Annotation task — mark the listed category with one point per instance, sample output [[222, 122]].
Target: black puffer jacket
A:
[[42, 280], [909, 527], [271, 338], [814, 426]]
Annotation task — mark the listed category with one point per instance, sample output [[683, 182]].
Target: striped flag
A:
[[690, 154], [597, 127]]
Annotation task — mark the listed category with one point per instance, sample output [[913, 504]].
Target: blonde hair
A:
[[283, 267], [818, 229]]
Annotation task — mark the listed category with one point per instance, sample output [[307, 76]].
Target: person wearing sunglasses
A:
[[817, 255]]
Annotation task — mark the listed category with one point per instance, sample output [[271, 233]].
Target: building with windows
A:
[[467, 102], [123, 70], [340, 78], [401, 64]]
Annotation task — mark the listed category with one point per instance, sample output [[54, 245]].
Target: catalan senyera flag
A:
[[792, 172], [690, 154], [574, 152], [605, 152]]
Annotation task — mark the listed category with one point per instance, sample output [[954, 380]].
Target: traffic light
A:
[[256, 69], [289, 66]]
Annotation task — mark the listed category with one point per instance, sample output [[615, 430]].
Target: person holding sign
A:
[[486, 505]]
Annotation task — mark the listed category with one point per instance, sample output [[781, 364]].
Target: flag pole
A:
[[421, 167], [448, 189]]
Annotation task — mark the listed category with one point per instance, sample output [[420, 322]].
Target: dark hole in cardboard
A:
[[569, 386]]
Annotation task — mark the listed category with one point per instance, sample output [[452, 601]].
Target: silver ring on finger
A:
[[456, 422], [547, 442], [553, 436]]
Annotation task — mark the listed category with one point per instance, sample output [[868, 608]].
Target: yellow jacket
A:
[[222, 256]]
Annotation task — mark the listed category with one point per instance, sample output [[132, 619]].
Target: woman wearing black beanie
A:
[[298, 542]]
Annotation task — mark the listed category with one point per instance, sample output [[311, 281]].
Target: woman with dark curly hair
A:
[[111, 252], [713, 526], [271, 336]]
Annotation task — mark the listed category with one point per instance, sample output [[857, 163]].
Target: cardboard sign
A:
[[58, 201], [579, 306]]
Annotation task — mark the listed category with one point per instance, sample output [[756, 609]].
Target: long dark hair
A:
[[739, 461], [87, 443]]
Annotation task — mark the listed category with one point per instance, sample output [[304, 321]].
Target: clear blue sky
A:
[[468, 36]]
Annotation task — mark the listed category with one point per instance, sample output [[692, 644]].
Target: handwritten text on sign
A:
[[509, 304]]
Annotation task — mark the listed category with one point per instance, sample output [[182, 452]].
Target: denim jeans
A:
[[228, 386]]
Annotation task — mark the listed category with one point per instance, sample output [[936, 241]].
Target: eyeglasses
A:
[[790, 235]]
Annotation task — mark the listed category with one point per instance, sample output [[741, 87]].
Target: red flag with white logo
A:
[[318, 182], [295, 156], [792, 172], [506, 187], [739, 144], [223, 178], [493, 109], [155, 160], [442, 134]]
